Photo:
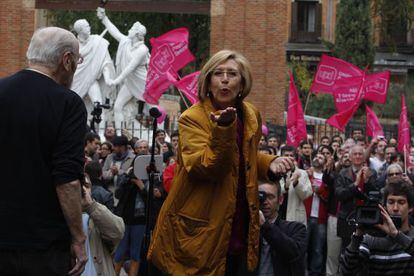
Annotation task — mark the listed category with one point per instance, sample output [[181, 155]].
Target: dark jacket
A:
[[329, 179], [288, 242], [347, 193], [102, 195]]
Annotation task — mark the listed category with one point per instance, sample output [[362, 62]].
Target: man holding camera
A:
[[392, 254], [283, 243]]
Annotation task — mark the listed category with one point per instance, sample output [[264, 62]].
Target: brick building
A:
[[271, 33]]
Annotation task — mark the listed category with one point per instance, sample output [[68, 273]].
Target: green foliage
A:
[[320, 105], [395, 19], [353, 41], [156, 23], [392, 108], [303, 76]]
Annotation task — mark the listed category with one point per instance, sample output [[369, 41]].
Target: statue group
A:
[[97, 78]]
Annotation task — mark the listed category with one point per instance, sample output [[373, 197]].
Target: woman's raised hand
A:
[[224, 117]]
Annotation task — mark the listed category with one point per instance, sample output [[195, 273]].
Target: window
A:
[[306, 21], [306, 16]]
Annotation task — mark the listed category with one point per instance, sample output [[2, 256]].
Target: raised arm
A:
[[303, 188], [112, 29], [207, 149], [138, 59]]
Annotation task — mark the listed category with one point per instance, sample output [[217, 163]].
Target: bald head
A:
[[48, 45]]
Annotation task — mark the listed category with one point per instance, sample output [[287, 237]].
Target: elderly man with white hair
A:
[[40, 203], [350, 185], [132, 59]]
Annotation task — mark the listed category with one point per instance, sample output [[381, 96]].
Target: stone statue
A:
[[132, 59], [96, 70]]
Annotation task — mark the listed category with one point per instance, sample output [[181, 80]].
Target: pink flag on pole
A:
[[341, 119], [374, 128], [347, 92], [188, 86], [329, 71], [296, 125], [376, 87], [169, 54], [404, 138]]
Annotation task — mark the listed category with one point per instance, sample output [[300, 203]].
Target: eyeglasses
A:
[[231, 74], [394, 174]]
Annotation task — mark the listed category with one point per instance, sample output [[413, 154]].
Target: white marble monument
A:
[[132, 61], [96, 70]]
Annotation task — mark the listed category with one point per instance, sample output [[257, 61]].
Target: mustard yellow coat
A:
[[194, 225]]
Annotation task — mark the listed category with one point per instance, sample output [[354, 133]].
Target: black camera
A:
[[262, 197], [369, 214]]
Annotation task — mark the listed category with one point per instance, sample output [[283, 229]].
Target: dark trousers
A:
[[316, 247], [237, 266], [29, 262]]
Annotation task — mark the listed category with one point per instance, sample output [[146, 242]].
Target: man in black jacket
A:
[[350, 186], [283, 243], [40, 203]]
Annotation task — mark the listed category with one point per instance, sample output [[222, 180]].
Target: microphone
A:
[[154, 112]]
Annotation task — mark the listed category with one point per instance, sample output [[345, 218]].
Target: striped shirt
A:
[[380, 255]]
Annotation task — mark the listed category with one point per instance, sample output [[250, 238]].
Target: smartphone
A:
[[397, 221]]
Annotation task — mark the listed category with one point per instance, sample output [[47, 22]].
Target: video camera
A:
[[97, 110], [369, 214]]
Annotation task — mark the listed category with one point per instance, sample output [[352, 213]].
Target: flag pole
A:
[[405, 159], [306, 103], [184, 99]]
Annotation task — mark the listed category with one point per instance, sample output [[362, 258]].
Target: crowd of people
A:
[[226, 200], [331, 179]]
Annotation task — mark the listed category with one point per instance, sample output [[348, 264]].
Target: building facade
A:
[[270, 33]]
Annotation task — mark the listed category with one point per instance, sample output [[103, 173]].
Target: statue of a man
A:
[[96, 63], [132, 59]]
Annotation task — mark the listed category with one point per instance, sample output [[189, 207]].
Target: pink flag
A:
[[296, 126], [341, 119], [329, 71], [374, 128], [169, 54], [404, 138], [188, 86], [347, 92], [376, 87]]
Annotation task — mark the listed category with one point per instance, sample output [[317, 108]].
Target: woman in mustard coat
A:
[[209, 224]]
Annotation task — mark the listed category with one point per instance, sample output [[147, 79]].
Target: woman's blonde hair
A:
[[220, 58]]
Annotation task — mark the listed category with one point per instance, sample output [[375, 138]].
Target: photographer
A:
[[104, 231], [283, 243], [132, 193], [376, 147], [389, 255]]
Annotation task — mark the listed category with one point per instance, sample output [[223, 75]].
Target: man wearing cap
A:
[[119, 161]]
